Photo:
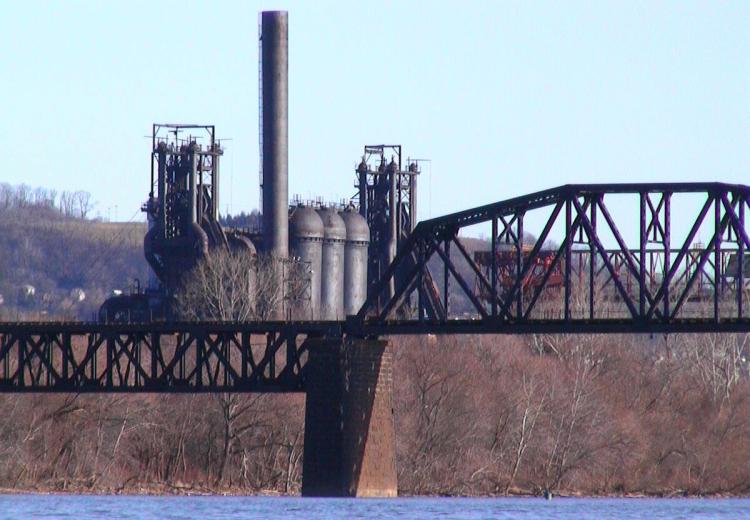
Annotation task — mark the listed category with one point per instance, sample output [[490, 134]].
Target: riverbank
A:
[[165, 490]]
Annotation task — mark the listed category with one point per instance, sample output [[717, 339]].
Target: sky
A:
[[504, 98]]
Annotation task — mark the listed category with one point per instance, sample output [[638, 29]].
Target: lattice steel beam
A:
[[156, 357]]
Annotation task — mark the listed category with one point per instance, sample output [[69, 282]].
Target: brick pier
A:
[[350, 447]]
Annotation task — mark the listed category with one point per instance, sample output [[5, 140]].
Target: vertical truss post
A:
[[155, 349], [519, 262], [446, 278], [643, 239], [568, 250], [21, 359], [270, 346], [6, 354], [49, 355], [244, 353], [741, 259], [420, 281], [92, 347], [200, 343], [291, 352], [137, 347], [182, 339], [667, 252], [226, 351], [110, 365], [717, 255], [592, 270], [66, 350], [493, 270]]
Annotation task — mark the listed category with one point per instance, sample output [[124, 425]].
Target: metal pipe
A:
[[413, 196], [162, 188], [275, 76], [362, 174], [215, 184], [191, 183], [393, 222]]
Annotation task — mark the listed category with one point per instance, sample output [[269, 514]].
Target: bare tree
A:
[[717, 360], [237, 286], [267, 285], [67, 204], [529, 406], [218, 288], [83, 203]]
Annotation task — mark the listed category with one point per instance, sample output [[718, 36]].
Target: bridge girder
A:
[[156, 357]]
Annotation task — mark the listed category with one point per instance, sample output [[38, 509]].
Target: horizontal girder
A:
[[155, 357]]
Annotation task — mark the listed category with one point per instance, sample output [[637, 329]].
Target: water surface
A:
[[256, 508]]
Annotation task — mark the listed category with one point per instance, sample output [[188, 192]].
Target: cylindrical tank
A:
[[332, 279], [307, 233], [355, 260], [275, 76]]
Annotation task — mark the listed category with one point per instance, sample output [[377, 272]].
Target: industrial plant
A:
[[333, 251]]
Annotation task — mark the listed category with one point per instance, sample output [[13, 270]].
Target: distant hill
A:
[[55, 265]]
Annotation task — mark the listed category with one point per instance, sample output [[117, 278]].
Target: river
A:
[[88, 507]]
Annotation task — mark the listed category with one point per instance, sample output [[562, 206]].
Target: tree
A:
[[228, 285], [219, 287], [83, 203]]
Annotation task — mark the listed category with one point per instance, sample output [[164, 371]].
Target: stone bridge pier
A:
[[350, 448]]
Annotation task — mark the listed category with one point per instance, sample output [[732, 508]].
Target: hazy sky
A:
[[505, 98]]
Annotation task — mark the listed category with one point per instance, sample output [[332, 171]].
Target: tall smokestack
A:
[[275, 77]]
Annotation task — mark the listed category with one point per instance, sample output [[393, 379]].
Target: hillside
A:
[[64, 258]]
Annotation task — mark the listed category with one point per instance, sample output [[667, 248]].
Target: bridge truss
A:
[[156, 357], [607, 258]]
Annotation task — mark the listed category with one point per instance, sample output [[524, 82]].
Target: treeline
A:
[[574, 414], [157, 444], [75, 204], [474, 416], [242, 220]]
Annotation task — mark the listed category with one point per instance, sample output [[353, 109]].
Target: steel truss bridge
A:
[[608, 258]]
